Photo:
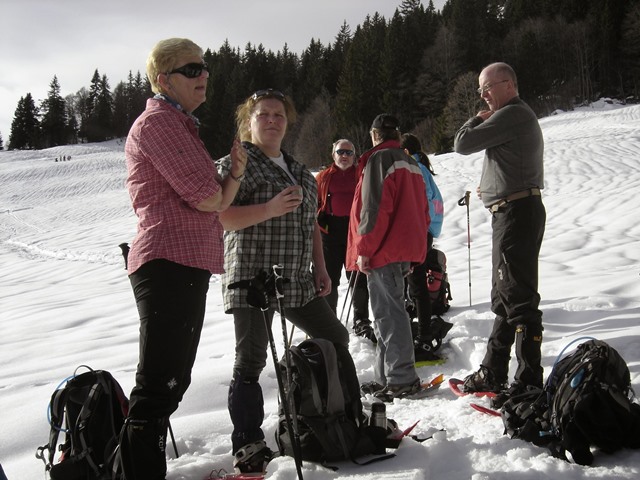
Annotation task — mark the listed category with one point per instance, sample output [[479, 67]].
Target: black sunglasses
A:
[[269, 92], [342, 151], [191, 70]]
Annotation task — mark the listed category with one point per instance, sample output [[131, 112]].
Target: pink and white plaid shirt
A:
[[170, 172]]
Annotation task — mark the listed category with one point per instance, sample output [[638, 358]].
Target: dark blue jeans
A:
[[518, 229]]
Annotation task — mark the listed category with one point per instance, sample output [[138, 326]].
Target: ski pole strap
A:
[[279, 280], [465, 200], [256, 290]]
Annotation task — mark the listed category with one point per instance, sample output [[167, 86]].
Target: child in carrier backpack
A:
[[431, 331]]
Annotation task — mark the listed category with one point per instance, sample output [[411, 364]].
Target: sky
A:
[[72, 38], [65, 301]]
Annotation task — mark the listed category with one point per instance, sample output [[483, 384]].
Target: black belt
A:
[[513, 197]]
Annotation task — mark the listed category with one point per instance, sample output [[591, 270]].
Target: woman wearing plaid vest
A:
[[272, 221]]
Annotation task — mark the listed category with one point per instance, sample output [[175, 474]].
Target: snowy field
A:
[[65, 300]]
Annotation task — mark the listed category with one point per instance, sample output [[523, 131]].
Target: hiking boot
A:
[[482, 381], [397, 391], [439, 329], [370, 388], [362, 328], [253, 458], [434, 334], [424, 353], [516, 388]]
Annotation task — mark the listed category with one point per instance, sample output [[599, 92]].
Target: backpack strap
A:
[[85, 413], [56, 417], [99, 388], [335, 396], [302, 363]]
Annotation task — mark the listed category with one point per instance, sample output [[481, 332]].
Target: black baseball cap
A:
[[384, 120]]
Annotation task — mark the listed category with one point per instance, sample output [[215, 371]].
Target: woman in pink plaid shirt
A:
[[177, 195]]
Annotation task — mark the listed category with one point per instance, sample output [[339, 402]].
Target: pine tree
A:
[[76, 104], [139, 90], [286, 70], [335, 55], [630, 50], [359, 87], [121, 97], [88, 126], [54, 123], [1, 144], [226, 88], [99, 107], [72, 126], [311, 74], [104, 110], [25, 127]]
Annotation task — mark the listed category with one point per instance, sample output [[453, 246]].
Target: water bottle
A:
[[378, 415]]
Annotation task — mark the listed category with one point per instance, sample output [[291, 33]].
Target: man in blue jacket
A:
[[512, 178]]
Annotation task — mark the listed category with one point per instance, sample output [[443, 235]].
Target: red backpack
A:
[[438, 282]]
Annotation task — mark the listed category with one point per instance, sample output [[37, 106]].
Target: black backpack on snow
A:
[[329, 417], [587, 402], [438, 282], [437, 285], [90, 410]]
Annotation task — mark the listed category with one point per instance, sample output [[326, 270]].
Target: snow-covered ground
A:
[[65, 300]]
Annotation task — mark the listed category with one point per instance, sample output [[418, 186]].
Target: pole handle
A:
[[465, 200]]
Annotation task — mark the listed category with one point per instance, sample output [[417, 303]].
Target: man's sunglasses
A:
[[342, 151], [191, 70], [269, 92]]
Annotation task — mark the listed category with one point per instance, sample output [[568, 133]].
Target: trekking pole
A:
[[257, 298], [173, 440], [295, 440], [353, 289], [465, 201], [346, 297], [293, 329]]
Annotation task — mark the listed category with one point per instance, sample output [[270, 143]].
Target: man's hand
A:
[[484, 114], [363, 264]]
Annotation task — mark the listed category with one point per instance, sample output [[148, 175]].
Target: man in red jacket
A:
[[388, 219], [336, 187]]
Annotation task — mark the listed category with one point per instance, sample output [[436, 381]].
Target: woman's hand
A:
[[322, 282], [238, 159], [285, 202]]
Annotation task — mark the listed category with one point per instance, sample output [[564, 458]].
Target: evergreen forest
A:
[[421, 65]]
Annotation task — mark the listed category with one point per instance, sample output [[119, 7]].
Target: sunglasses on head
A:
[[269, 92], [191, 70], [342, 151]]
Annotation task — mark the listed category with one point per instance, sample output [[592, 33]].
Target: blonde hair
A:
[[164, 55], [245, 110]]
